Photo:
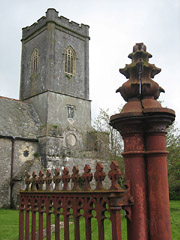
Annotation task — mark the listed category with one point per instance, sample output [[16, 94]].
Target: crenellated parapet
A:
[[60, 21]]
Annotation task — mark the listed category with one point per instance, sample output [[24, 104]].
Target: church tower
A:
[[55, 80]]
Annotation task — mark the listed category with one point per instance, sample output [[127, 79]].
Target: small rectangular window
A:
[[70, 111]]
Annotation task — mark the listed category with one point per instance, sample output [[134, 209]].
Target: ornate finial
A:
[[99, 176], [48, 180], [140, 71], [41, 180], [114, 175], [27, 181], [57, 179], [75, 178], [66, 178], [33, 181], [87, 177]]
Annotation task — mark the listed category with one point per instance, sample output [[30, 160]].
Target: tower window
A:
[[70, 58], [34, 61], [70, 111]]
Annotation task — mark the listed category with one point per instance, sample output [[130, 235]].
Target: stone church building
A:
[[50, 126]]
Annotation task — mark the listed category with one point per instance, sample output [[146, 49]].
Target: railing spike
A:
[[27, 181], [75, 178], [34, 182], [114, 175], [40, 180], [87, 177], [48, 202], [99, 176], [48, 180], [57, 179], [65, 179]]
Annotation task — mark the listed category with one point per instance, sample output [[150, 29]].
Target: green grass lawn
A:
[[175, 219], [9, 225], [107, 230]]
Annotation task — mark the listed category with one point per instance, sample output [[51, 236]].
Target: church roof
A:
[[18, 119]]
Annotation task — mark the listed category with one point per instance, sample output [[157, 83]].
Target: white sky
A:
[[115, 26]]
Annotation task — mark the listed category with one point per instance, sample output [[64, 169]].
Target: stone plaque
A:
[[71, 140]]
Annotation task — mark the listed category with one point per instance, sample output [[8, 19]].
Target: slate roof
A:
[[18, 119]]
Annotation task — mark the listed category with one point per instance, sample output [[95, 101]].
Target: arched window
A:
[[34, 62], [70, 61]]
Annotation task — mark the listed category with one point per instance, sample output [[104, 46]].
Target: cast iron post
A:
[[131, 130], [157, 176], [142, 124]]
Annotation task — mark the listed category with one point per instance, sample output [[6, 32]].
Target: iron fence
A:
[[44, 196]]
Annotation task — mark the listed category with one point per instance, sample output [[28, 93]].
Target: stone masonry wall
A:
[[76, 85], [5, 171], [19, 179], [23, 152], [31, 85], [57, 113]]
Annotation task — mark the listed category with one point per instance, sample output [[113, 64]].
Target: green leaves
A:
[[173, 161], [101, 124]]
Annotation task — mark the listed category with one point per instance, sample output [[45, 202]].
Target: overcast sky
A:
[[115, 26]]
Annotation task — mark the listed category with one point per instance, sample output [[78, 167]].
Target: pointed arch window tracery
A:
[[70, 61], [34, 62]]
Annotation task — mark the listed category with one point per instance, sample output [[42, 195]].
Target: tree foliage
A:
[[173, 161], [101, 124]]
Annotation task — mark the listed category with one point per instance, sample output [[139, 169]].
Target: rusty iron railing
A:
[[79, 202]]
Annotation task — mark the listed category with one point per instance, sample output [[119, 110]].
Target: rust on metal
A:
[[57, 179], [40, 180], [140, 73], [27, 181], [99, 176], [34, 182], [52, 199], [48, 180], [115, 174], [142, 124], [65, 179], [76, 178], [157, 177], [87, 177]]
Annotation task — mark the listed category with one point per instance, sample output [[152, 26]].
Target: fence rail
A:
[[43, 195]]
